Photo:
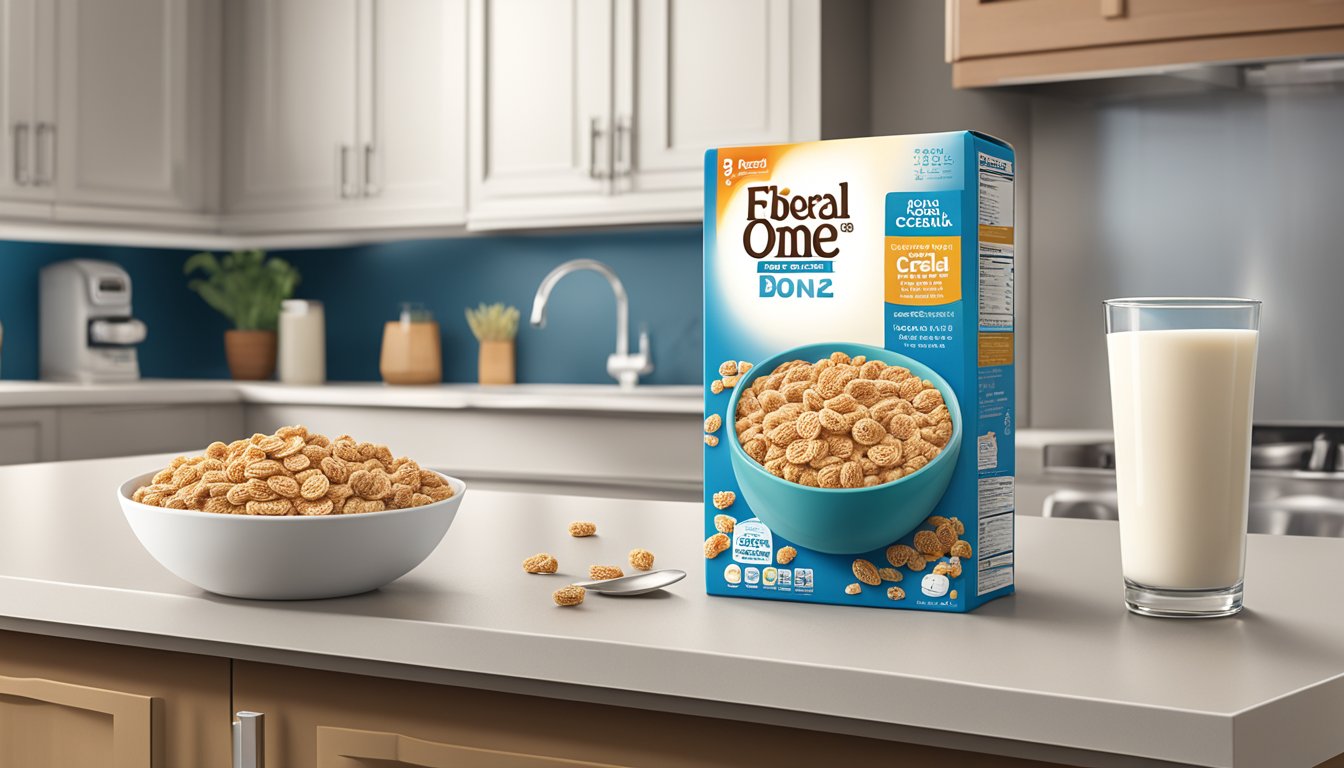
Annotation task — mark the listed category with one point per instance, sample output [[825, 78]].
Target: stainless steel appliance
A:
[[87, 332], [1297, 480]]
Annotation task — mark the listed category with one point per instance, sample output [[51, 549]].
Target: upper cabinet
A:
[[344, 114], [599, 111], [106, 110], [995, 42]]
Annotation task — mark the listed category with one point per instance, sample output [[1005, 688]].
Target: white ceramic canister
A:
[[303, 342]]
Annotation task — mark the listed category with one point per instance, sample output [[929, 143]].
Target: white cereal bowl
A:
[[290, 557]]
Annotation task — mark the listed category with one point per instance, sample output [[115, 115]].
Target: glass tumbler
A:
[[1182, 384]]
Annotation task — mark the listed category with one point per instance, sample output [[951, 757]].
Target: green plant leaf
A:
[[244, 286]]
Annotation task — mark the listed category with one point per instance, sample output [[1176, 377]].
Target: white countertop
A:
[[679, 399], [1058, 671]]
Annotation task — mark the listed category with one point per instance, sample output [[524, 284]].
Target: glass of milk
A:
[[1182, 384]]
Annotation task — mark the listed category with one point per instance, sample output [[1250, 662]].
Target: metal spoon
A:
[[638, 584]]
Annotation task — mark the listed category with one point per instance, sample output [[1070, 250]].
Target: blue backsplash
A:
[[363, 286]]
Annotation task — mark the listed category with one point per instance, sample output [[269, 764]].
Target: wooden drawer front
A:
[[49, 724], [347, 748], [981, 28]]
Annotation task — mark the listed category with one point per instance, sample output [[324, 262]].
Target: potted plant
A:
[[247, 288], [495, 327]]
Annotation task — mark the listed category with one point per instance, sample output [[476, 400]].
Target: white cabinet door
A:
[[706, 74], [413, 147], [27, 60], [27, 435], [541, 109], [130, 130], [290, 107]]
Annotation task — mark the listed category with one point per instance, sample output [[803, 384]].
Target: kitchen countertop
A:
[[1057, 672], [678, 399]]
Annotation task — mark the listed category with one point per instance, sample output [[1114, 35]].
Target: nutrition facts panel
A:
[[996, 287]]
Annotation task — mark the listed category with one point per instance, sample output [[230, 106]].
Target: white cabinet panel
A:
[[27, 435], [130, 130], [541, 104], [414, 138], [101, 431], [27, 51], [290, 103], [708, 74], [676, 76]]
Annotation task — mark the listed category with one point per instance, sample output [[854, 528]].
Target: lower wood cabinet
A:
[[75, 704], [332, 720]]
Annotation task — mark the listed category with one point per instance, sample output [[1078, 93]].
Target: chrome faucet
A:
[[623, 366]]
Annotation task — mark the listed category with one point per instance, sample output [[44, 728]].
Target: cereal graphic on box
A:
[[858, 338]]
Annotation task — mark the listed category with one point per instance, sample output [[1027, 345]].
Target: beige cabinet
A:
[[72, 704], [608, 121], [27, 106], [134, 105], [114, 129], [344, 114], [994, 42], [28, 435]]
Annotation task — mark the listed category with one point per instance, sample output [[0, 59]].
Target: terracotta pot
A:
[[251, 354], [496, 363]]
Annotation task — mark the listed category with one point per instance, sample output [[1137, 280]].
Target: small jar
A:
[[411, 353], [303, 342]]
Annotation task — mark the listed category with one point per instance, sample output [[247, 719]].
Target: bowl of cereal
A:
[[291, 516], [843, 448]]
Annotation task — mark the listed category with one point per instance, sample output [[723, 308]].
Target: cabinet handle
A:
[[21, 154], [625, 150], [343, 160], [595, 134], [370, 189], [249, 743], [48, 178]]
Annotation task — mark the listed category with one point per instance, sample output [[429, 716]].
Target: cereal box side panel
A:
[[993, 171]]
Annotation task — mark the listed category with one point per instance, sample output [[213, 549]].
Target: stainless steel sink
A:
[[1297, 481]]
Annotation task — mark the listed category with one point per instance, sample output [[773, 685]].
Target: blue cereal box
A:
[[859, 371]]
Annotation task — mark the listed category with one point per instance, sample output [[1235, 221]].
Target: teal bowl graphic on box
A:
[[843, 520], [859, 371]]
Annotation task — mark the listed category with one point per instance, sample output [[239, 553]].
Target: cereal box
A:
[[859, 371]]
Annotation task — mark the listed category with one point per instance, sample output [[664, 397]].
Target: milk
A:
[[1181, 401]]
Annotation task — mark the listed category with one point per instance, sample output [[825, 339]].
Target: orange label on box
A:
[[923, 270], [990, 233], [994, 349]]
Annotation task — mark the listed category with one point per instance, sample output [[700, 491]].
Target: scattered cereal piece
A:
[[946, 536], [853, 589], [743, 366], [711, 441], [866, 572], [961, 548], [604, 572], [899, 554], [541, 563], [730, 381], [713, 423], [942, 569], [952, 594], [954, 565], [641, 559], [715, 545], [716, 387], [896, 593], [927, 543], [785, 555], [916, 562], [728, 368], [724, 499], [935, 520], [724, 523], [581, 528], [889, 574], [957, 525], [570, 595]]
